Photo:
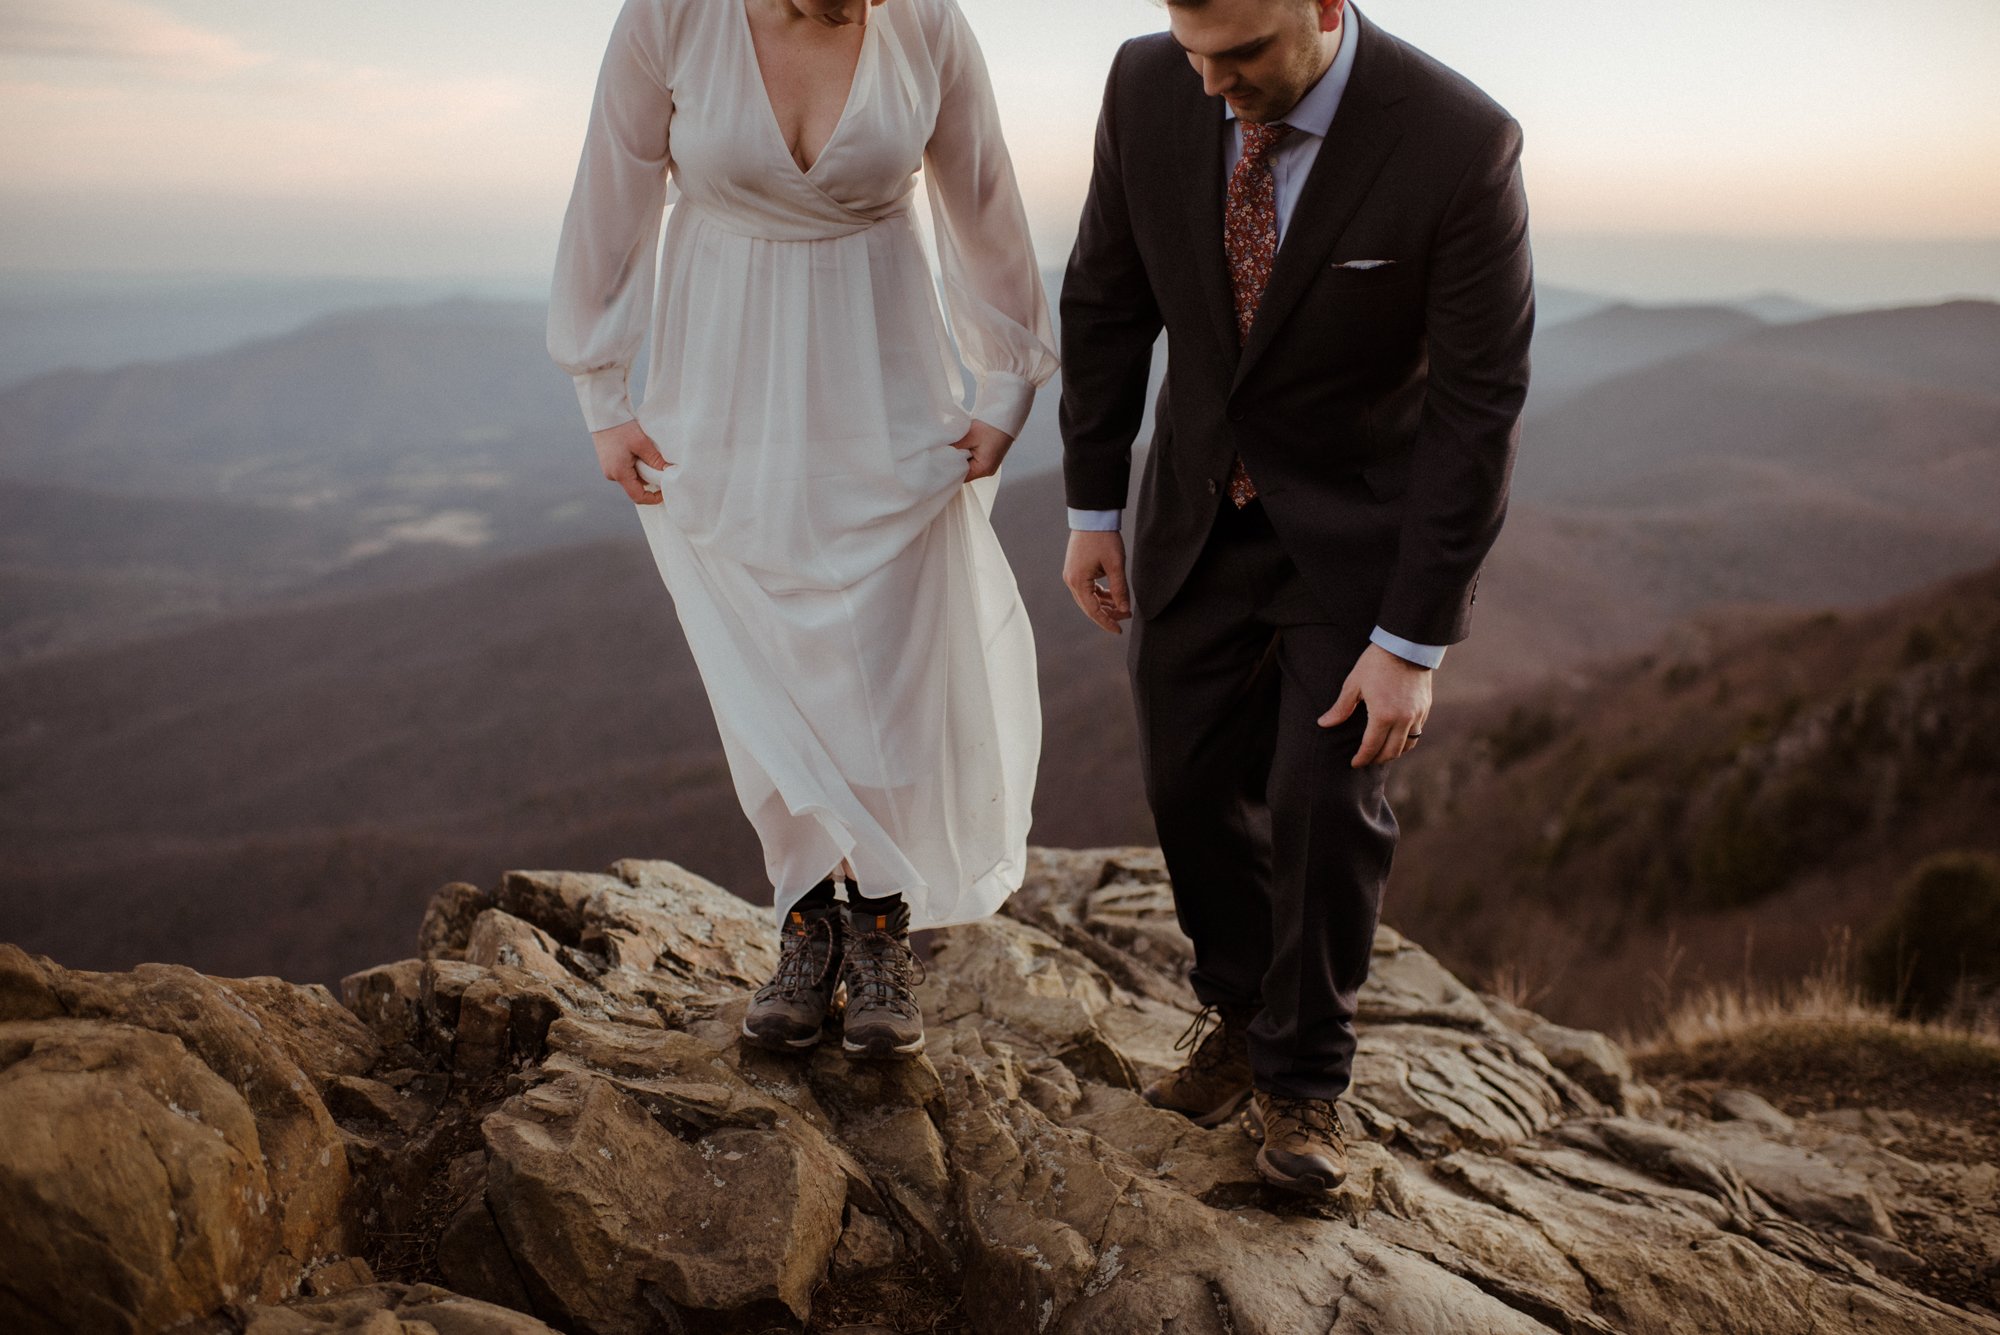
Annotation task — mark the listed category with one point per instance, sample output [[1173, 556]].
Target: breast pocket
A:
[[1346, 277], [1364, 316]]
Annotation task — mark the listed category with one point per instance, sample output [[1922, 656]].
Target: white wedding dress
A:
[[857, 628]]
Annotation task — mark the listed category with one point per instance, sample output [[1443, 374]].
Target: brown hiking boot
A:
[[883, 1018], [786, 1013], [1215, 1079], [1302, 1149]]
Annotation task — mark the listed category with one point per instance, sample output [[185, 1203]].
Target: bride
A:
[[813, 487]]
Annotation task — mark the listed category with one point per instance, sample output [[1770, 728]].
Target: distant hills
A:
[[265, 694], [411, 401], [367, 449], [279, 788], [364, 449], [53, 321], [403, 400], [81, 567], [281, 791], [285, 787], [1571, 356], [1906, 402], [1833, 462], [1718, 809]]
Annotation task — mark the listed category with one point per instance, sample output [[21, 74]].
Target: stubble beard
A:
[[1301, 73]]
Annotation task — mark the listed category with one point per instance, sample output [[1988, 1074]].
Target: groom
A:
[[1330, 227]]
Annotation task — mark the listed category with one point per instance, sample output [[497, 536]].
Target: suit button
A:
[[1212, 488]]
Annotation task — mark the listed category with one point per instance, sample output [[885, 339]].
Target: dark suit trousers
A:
[[1278, 848]]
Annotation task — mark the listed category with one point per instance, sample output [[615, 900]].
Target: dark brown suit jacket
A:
[[1377, 409]]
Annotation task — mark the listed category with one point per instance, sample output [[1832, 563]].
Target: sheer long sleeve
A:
[[602, 292], [993, 291]]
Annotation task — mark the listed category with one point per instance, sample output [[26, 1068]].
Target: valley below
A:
[[292, 632]]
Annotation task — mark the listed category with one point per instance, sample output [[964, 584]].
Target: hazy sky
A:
[[1844, 150]]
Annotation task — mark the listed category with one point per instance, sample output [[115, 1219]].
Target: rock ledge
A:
[[545, 1122]]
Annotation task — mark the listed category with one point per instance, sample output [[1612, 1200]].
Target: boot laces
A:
[[883, 971], [800, 966], [1315, 1115], [1207, 1047]]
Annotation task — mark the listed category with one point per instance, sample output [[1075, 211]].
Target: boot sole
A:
[[772, 1043], [1222, 1114], [883, 1050], [1305, 1184], [1214, 1117]]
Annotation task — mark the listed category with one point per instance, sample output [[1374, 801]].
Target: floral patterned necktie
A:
[[1250, 240]]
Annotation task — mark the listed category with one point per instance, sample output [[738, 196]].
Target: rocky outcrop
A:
[[168, 1148], [545, 1121]]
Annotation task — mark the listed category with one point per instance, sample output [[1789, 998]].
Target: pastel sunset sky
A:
[[1843, 150]]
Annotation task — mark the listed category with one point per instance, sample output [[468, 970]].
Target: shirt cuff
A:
[[1094, 521], [1003, 401], [1423, 655], [604, 397]]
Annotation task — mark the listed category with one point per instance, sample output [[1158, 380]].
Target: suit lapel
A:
[[1356, 145], [1202, 129]]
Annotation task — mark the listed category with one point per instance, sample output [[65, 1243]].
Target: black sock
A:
[[884, 904], [818, 897]]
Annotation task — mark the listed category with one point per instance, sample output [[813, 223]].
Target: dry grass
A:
[[1518, 984], [907, 1299], [1820, 1043], [1828, 999]]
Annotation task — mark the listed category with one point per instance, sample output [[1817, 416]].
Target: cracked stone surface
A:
[[168, 1145], [547, 1117]]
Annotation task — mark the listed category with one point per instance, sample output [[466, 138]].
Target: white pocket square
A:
[[1361, 264]]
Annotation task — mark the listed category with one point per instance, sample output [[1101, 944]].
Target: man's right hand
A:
[[1093, 557], [618, 450]]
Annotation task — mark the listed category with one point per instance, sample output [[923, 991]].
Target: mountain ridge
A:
[[1746, 790]]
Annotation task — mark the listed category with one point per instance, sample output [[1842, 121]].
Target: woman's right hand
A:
[[619, 449]]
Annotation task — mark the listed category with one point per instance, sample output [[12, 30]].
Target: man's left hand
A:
[[1398, 695]]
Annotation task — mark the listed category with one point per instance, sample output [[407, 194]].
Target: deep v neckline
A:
[[770, 109]]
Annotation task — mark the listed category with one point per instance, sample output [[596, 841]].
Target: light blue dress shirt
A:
[[1291, 160]]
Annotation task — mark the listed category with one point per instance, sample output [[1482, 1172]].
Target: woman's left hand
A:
[[985, 446]]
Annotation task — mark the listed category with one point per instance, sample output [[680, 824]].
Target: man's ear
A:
[[1331, 12]]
